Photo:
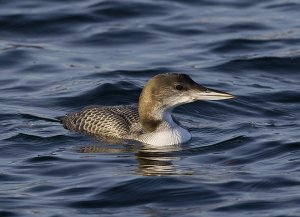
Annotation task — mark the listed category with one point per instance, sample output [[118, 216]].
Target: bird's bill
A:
[[202, 93]]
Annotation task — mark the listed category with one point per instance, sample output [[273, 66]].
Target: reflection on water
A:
[[159, 161], [151, 160]]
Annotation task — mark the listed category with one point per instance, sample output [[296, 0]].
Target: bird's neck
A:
[[167, 132], [154, 118], [154, 113]]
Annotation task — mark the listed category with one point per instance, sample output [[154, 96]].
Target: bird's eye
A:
[[179, 87]]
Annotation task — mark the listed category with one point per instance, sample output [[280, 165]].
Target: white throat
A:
[[168, 133]]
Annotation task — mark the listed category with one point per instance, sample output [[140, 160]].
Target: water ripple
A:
[[59, 56]]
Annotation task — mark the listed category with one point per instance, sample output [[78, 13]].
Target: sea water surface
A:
[[58, 56]]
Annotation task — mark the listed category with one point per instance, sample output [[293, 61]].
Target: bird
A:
[[151, 121]]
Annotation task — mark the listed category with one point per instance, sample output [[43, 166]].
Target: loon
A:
[[150, 122]]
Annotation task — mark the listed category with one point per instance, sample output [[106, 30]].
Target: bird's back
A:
[[108, 121]]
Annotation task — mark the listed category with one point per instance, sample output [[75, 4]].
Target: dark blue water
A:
[[58, 56]]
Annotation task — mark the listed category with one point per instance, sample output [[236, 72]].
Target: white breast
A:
[[166, 137]]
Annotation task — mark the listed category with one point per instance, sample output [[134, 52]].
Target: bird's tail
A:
[[60, 119]]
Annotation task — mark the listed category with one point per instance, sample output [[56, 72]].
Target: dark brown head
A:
[[163, 92]]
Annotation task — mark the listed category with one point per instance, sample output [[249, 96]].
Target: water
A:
[[59, 56]]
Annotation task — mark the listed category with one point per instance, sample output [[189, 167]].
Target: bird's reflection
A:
[[158, 161], [152, 161]]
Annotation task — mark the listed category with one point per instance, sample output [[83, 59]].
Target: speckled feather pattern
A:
[[109, 121]]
